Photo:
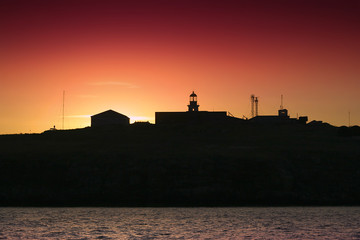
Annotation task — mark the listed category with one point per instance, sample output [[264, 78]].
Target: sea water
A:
[[181, 223]]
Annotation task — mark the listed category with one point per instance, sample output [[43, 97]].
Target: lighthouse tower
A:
[[193, 106]]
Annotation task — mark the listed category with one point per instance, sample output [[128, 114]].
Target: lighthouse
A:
[[192, 116], [193, 106]]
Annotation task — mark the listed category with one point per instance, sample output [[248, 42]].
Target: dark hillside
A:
[[207, 165]]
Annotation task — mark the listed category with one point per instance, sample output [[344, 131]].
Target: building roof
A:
[[110, 113], [193, 94]]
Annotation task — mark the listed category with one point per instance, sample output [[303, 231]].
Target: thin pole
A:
[[349, 119], [252, 98], [256, 106], [63, 113]]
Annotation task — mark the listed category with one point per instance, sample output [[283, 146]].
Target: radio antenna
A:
[[349, 120], [63, 112]]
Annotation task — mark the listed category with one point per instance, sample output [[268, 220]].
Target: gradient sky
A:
[[139, 57]]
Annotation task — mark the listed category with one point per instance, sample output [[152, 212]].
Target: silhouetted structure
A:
[[282, 111], [192, 116], [252, 101], [282, 117], [193, 106], [189, 117], [256, 106], [109, 118]]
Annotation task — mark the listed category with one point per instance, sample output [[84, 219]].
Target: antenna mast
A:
[[252, 99], [63, 112], [349, 119], [256, 106], [281, 106]]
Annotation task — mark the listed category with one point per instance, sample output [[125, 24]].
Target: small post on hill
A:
[[63, 112]]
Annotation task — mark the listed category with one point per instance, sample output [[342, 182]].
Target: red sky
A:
[[138, 57]]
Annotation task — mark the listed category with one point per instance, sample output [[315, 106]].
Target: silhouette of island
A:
[[193, 158]]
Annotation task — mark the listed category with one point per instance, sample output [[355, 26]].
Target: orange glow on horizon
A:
[[139, 58]]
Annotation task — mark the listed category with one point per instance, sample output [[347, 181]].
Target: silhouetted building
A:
[[141, 123], [189, 117], [193, 106], [192, 116], [303, 119], [282, 117], [283, 113], [109, 118]]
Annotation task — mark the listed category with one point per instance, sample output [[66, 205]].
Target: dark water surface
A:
[[181, 223]]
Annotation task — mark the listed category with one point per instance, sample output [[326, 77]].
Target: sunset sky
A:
[[142, 56]]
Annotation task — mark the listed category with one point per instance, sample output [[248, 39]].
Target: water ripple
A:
[[180, 223]]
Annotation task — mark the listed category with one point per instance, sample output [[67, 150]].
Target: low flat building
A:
[[282, 118], [189, 117]]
